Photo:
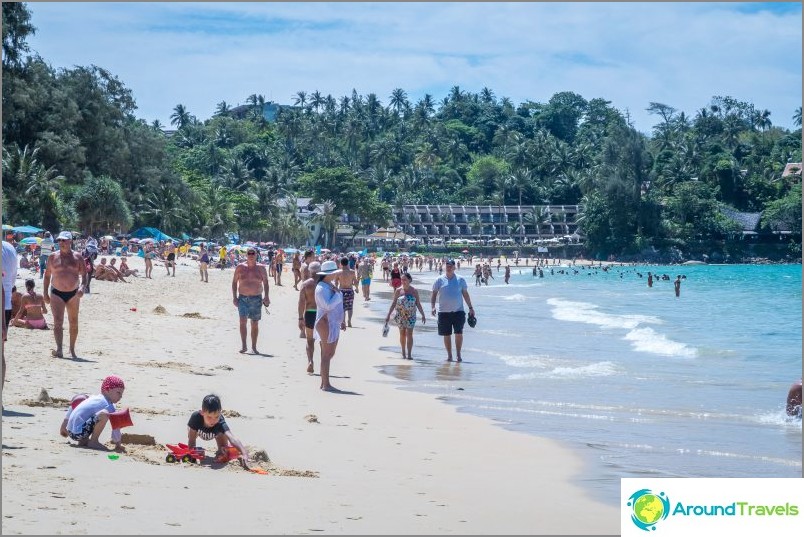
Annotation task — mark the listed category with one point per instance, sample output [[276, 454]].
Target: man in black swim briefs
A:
[[65, 268]]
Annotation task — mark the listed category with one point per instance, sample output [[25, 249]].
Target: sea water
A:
[[638, 381]]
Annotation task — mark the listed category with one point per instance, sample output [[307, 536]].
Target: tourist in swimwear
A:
[[405, 301], [307, 312], [347, 283], [296, 268], [250, 281], [329, 318], [396, 276], [170, 248], [66, 272], [32, 306], [364, 273], [125, 270], [203, 264]]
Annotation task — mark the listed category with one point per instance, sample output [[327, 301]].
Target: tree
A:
[[784, 212], [327, 217], [222, 108], [102, 207], [16, 29], [180, 116]]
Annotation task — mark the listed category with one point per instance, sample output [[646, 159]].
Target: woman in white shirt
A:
[[329, 318]]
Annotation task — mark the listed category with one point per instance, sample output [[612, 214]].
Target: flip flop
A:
[[258, 471]]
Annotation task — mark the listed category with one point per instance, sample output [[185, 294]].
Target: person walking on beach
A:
[[67, 274], [677, 285], [347, 283], [46, 247], [405, 301], [364, 274], [296, 268], [451, 291], [307, 312], [279, 263], [329, 318], [249, 283], [170, 248]]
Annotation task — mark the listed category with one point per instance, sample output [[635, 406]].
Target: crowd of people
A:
[[327, 285]]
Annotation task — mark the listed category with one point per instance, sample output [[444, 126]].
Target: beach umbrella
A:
[[108, 237], [31, 240], [201, 239], [135, 240], [7, 227], [291, 250], [27, 229], [148, 240]]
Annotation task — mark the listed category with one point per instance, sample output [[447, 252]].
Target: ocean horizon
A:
[[638, 381]]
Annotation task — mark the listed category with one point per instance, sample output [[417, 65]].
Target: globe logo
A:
[[648, 508]]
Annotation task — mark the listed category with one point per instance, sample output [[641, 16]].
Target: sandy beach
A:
[[378, 460]]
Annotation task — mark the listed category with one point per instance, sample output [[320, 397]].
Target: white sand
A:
[[388, 461]]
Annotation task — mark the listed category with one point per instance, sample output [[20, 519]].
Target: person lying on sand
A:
[[87, 420], [209, 423]]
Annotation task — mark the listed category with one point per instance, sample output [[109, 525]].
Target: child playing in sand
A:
[[209, 423], [86, 421]]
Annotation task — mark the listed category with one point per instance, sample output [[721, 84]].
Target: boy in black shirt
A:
[[208, 423]]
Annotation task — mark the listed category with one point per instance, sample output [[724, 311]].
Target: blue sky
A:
[[198, 54]]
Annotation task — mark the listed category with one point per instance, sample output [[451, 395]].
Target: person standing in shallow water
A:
[[250, 281], [451, 291], [677, 285], [405, 301]]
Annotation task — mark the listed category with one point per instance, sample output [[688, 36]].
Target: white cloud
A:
[[630, 54]]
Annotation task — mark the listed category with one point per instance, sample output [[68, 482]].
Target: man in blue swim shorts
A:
[[249, 284]]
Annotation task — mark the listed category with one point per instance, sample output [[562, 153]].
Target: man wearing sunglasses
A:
[[249, 283]]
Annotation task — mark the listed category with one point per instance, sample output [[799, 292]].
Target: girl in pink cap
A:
[[85, 421]]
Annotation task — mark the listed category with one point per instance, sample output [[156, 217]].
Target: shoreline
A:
[[388, 460]]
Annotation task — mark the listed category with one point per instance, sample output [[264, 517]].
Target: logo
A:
[[648, 508]]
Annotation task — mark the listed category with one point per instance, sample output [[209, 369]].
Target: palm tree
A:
[[399, 100], [222, 109], [316, 100], [300, 99], [328, 219], [22, 170], [476, 225], [156, 125], [166, 209], [797, 117], [521, 179], [180, 116], [536, 217]]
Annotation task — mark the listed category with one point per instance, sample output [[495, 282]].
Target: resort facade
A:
[[523, 224]]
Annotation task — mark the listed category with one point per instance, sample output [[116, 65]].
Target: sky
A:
[[631, 54]]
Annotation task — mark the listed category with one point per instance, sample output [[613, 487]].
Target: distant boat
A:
[[694, 263]]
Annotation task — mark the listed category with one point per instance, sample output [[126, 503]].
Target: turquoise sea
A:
[[637, 381]]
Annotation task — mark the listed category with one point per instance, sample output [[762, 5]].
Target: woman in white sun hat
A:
[[329, 317]]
